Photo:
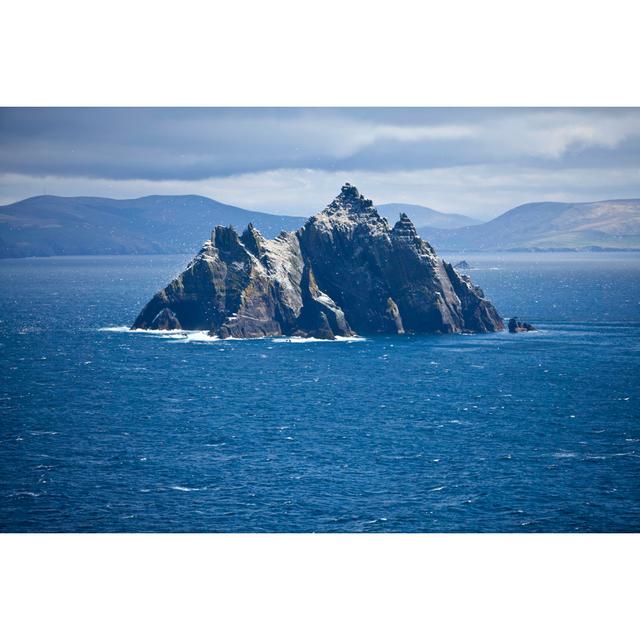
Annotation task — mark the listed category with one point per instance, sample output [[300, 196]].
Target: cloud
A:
[[554, 134], [292, 160]]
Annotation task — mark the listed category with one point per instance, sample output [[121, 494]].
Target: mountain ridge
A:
[[87, 225], [48, 225], [550, 226], [423, 216]]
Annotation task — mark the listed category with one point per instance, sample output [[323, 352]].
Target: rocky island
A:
[[518, 326], [346, 271]]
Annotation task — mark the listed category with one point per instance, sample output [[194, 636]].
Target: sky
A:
[[478, 162]]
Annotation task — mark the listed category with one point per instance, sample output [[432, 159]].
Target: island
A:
[[518, 326], [347, 271]]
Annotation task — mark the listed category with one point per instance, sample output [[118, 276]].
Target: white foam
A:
[[178, 487], [183, 335], [197, 336], [300, 340]]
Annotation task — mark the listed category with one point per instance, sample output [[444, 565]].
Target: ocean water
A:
[[108, 430]]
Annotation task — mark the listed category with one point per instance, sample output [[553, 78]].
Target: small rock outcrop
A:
[[463, 264], [345, 271], [516, 326], [166, 321]]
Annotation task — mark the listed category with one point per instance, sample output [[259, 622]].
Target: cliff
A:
[[345, 271]]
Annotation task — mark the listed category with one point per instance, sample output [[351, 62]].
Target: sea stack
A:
[[518, 326], [345, 271]]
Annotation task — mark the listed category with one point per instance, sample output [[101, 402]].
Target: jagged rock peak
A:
[[224, 238], [345, 270], [253, 240], [404, 228], [351, 203], [405, 233]]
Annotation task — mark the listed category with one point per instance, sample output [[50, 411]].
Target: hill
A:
[[424, 216], [609, 224], [52, 225]]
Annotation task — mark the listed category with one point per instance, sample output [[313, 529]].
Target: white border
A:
[[319, 586], [468, 53], [335, 52]]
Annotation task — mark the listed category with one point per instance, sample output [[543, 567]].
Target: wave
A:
[[177, 487], [195, 336], [183, 335], [300, 340]]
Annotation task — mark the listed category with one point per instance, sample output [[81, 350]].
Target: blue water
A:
[[113, 431]]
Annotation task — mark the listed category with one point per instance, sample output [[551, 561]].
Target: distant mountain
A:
[[609, 224], [52, 225], [425, 217]]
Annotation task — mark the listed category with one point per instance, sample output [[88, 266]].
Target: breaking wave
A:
[[300, 340], [179, 335], [182, 335]]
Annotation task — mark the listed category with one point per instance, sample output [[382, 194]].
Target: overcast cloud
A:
[[474, 161]]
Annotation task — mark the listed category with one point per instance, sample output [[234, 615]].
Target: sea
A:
[[107, 430]]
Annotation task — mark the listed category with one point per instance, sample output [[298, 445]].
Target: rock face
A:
[[345, 271], [166, 320], [516, 326]]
